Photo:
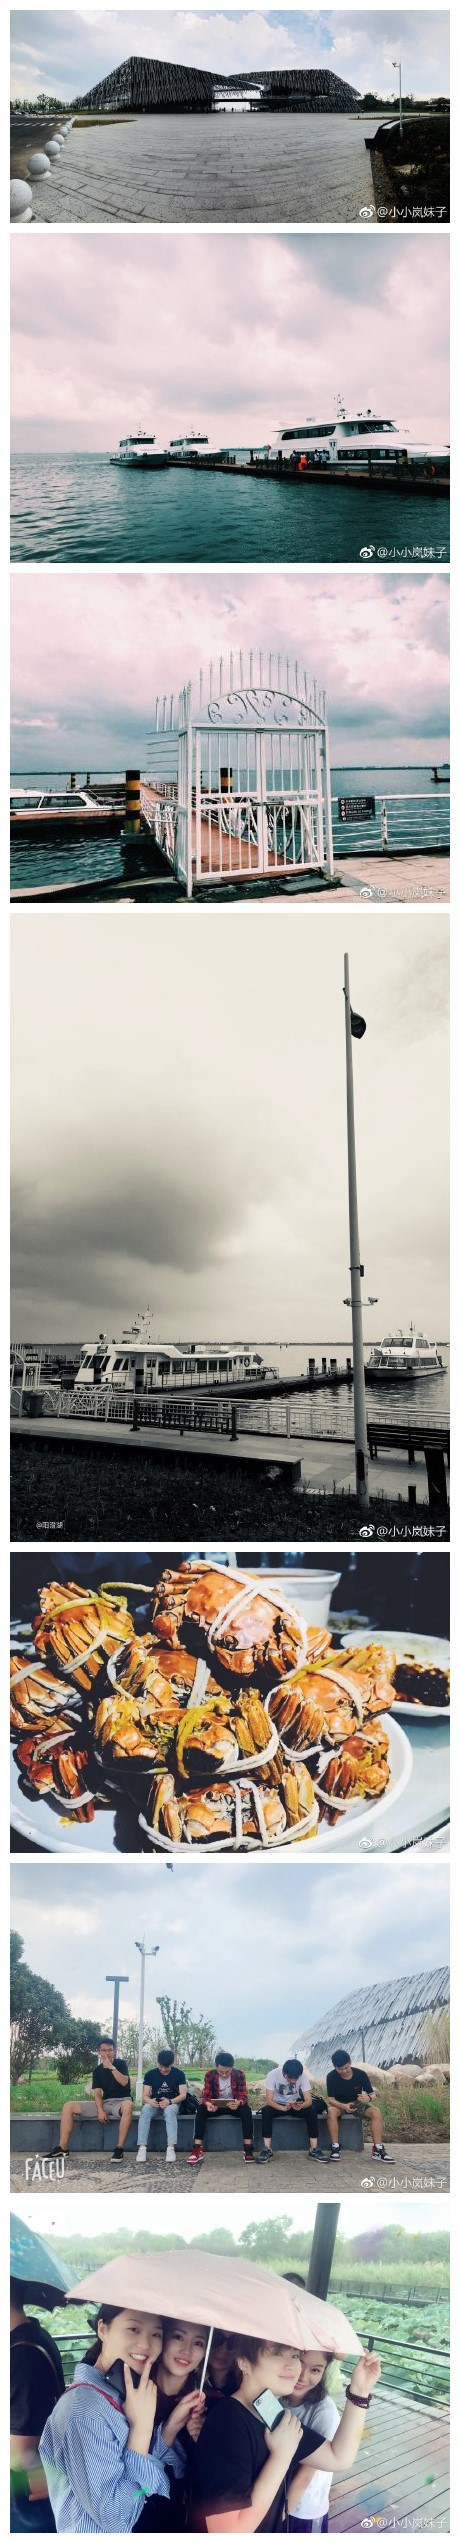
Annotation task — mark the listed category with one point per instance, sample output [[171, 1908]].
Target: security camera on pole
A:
[[355, 1028]]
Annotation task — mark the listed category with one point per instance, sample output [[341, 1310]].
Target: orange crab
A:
[[361, 1771], [82, 1627], [249, 1632], [312, 1706]]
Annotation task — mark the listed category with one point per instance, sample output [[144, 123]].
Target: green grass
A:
[[47, 2092]]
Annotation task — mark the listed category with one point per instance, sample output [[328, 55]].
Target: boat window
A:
[[25, 803], [213, 1364], [306, 432]]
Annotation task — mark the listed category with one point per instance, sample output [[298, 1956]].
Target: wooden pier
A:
[[400, 2482]]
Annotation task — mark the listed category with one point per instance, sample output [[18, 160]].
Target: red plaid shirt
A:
[[239, 2090]]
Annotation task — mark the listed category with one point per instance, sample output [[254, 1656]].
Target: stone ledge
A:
[[37, 2132]]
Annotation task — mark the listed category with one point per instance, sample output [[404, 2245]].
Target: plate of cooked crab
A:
[[419, 1673], [204, 1713]]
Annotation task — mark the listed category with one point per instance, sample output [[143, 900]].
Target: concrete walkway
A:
[[225, 167], [387, 879], [418, 2168]]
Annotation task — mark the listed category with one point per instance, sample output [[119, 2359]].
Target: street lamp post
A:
[[396, 66], [145, 1955], [355, 1024], [115, 1982]]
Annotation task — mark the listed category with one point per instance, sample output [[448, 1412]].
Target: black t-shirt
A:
[[230, 2452], [104, 2081], [344, 2088], [164, 2087], [37, 2379]]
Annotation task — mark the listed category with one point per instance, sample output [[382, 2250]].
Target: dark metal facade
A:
[[145, 87]]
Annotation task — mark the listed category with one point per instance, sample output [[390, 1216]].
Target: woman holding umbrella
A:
[[245, 2474]]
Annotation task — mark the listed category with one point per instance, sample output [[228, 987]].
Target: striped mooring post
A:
[[133, 817]]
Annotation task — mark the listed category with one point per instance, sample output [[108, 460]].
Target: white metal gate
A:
[[254, 795]]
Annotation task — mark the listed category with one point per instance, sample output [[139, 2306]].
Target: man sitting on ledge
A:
[[349, 2088], [165, 2089], [111, 2096], [224, 2088], [288, 2089]]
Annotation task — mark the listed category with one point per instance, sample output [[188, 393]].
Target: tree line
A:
[[41, 2022]]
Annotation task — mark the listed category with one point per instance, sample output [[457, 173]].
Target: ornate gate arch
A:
[[254, 793]]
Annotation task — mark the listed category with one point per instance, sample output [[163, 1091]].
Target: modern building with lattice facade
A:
[[153, 88], [387, 2025]]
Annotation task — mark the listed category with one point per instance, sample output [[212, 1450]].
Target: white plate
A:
[[424, 1647]]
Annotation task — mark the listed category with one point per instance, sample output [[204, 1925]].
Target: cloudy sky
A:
[[82, 2214], [217, 326], [179, 1119], [289, 1960], [91, 652], [66, 51]]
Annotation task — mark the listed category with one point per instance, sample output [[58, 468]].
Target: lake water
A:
[[225, 167], [78, 510], [97, 861], [385, 1403]]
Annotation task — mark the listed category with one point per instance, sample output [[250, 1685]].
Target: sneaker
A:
[[379, 2154], [197, 2156], [141, 2156], [266, 2155], [249, 2154], [334, 2154], [117, 2156], [170, 2154], [315, 2155]]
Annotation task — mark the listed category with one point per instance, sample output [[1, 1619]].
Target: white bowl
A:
[[310, 1591]]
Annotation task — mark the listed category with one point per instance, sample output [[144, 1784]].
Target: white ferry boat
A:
[[138, 1360], [352, 441], [403, 1356], [138, 450]]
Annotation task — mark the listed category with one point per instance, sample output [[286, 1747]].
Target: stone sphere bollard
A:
[[20, 200], [53, 149], [39, 165]]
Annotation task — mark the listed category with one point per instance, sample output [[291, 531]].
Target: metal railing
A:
[[417, 822], [411, 2369]]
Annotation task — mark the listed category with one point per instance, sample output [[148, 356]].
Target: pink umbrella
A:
[[236, 2295]]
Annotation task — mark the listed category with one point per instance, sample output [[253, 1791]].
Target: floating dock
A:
[[415, 477]]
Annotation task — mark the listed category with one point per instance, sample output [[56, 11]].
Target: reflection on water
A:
[[384, 1403], [78, 509]]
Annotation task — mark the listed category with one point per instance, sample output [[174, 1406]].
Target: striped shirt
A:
[[95, 2485]]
